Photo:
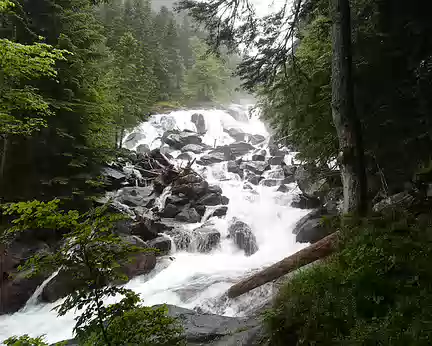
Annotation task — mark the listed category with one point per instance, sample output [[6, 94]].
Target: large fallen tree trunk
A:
[[316, 251]]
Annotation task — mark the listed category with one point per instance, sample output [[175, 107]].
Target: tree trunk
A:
[[3, 163], [310, 254], [121, 137], [351, 156]]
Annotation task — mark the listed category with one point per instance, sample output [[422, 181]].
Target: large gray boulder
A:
[[113, 178], [257, 167], [276, 160], [237, 134], [207, 237], [400, 200], [234, 167], [312, 228], [199, 121], [304, 202], [189, 215], [240, 148], [211, 157], [256, 139], [194, 148], [143, 149], [178, 140], [162, 244], [211, 199], [136, 196], [259, 155], [242, 236], [309, 181]]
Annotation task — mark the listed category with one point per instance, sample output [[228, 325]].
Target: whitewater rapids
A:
[[197, 280]]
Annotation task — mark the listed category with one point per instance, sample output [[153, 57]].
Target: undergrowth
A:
[[377, 290]]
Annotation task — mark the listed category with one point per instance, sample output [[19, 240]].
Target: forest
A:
[[343, 83]]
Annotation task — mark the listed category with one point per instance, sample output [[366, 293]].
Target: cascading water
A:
[[193, 279]]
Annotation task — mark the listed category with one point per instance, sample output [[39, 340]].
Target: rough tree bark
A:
[[316, 251], [351, 156]]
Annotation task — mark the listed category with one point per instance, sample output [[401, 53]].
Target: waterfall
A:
[[192, 279]]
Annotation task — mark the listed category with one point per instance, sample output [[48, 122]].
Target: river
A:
[[191, 279]]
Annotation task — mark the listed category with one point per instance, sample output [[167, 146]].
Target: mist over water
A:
[[198, 280]]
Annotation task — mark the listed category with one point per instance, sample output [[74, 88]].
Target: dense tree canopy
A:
[[75, 77]]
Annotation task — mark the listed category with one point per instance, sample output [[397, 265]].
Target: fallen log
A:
[[316, 251]]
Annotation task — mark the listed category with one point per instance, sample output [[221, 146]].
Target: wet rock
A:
[[133, 139], [289, 171], [275, 151], [283, 188], [305, 202], [157, 155], [113, 178], [243, 237], [311, 228], [188, 179], [178, 140], [240, 148], [211, 199], [201, 209], [270, 182], [237, 134], [400, 200], [225, 150], [276, 160], [207, 237], [199, 121], [189, 215], [215, 189], [289, 180], [234, 167], [238, 115], [259, 155], [194, 148], [256, 139], [308, 181], [225, 200], [192, 191], [211, 157], [184, 156], [162, 244], [257, 167], [136, 196], [220, 211], [247, 186], [16, 289], [166, 150], [253, 178], [143, 149], [177, 199], [170, 210]]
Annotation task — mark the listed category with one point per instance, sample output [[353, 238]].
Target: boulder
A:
[[189, 215], [220, 211], [158, 155], [238, 115], [309, 181], [162, 244], [211, 199], [311, 228], [257, 167], [146, 227], [242, 236], [207, 237], [16, 289], [224, 149], [211, 157], [400, 200], [136, 196], [225, 200], [276, 160], [289, 180], [304, 202], [133, 139], [143, 149], [199, 121], [234, 167], [237, 134], [270, 182], [113, 178], [170, 210], [253, 178], [192, 191], [178, 140], [240, 148], [283, 188], [256, 139], [177, 199], [184, 156], [289, 171], [259, 155], [194, 148], [188, 179], [215, 189]]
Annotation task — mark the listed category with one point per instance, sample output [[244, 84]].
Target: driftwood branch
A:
[[316, 251]]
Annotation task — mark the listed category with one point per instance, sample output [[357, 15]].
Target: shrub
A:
[[25, 340], [376, 291], [144, 326]]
